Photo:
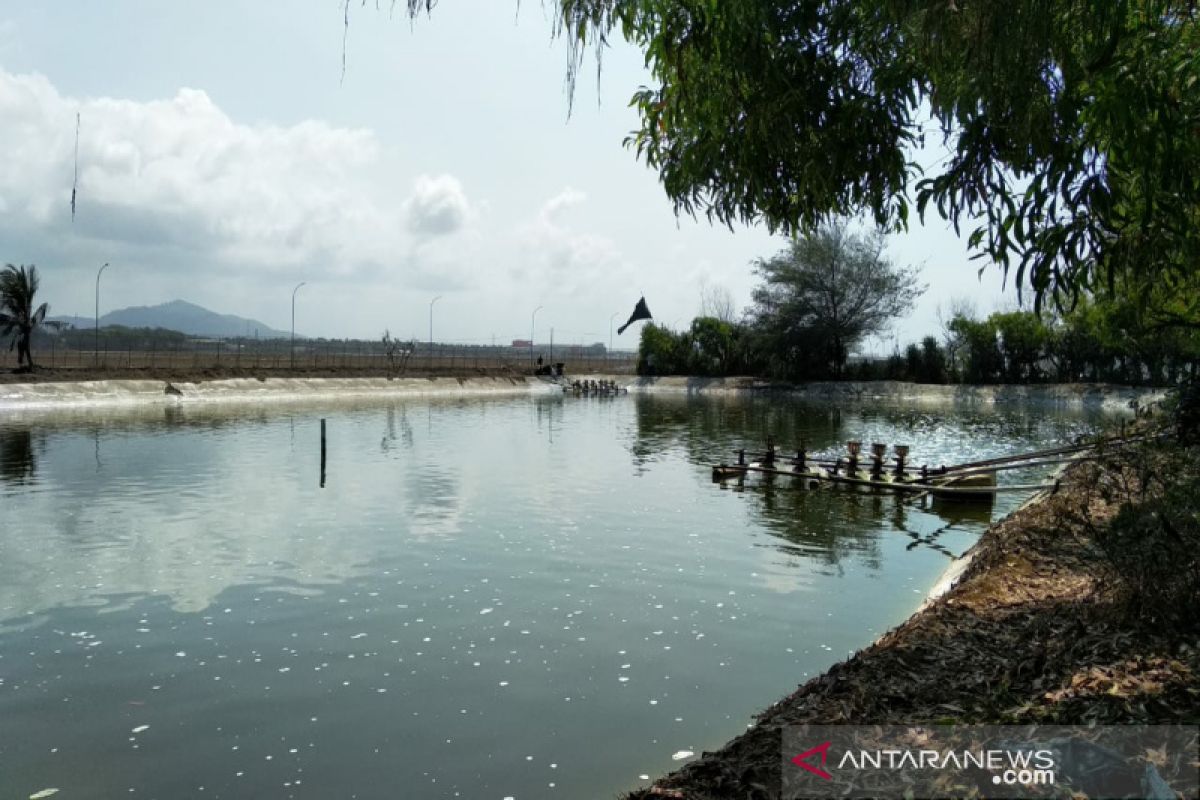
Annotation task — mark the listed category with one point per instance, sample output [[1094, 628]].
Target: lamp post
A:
[[98, 274], [532, 318], [431, 302], [293, 359]]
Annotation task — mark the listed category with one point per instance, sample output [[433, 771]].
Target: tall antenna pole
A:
[[75, 182], [99, 272]]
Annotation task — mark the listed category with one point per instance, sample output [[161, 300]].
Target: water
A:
[[490, 598]]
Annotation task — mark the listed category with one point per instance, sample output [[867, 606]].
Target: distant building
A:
[[522, 343]]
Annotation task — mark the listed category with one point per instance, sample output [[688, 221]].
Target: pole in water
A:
[[322, 453]]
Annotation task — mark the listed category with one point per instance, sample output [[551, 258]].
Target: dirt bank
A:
[[1032, 632]]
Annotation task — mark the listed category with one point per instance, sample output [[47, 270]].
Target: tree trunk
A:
[[24, 352]]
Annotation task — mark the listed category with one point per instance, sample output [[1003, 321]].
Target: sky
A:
[[224, 158]]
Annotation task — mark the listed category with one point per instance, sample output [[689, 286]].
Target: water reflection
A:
[[832, 523], [18, 464], [188, 502], [711, 429], [435, 502], [390, 437]]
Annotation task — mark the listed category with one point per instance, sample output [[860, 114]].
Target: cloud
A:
[[438, 206], [179, 177], [558, 252], [565, 199]]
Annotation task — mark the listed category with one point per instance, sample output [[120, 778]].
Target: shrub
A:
[[1153, 543]]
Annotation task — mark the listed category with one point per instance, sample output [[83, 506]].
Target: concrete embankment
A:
[[116, 393], [1101, 396]]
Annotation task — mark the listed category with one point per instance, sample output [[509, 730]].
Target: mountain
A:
[[180, 315]]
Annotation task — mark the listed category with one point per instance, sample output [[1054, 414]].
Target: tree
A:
[[1073, 126], [713, 344], [952, 335], [716, 301], [824, 293], [1024, 343], [18, 286], [662, 352], [933, 362], [982, 360]]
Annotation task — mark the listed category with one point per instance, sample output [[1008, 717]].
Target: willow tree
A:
[[1071, 127]]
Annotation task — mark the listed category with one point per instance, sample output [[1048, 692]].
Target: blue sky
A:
[[224, 158]]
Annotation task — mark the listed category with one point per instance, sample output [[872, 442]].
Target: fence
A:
[[310, 355]]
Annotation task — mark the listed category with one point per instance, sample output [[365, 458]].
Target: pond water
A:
[[490, 598]]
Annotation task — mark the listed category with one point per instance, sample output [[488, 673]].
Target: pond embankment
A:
[[158, 392], [1031, 631], [84, 387]]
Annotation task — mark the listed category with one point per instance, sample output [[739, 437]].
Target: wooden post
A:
[[322, 452]]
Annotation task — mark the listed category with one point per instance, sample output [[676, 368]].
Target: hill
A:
[[180, 315]]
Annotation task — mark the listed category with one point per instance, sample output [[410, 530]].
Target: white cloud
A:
[[179, 177], [438, 206], [554, 250], [565, 199]]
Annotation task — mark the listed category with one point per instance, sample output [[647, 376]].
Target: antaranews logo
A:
[[821, 750], [946, 761]]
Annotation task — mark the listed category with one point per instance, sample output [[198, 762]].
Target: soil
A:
[[1031, 633], [197, 375]]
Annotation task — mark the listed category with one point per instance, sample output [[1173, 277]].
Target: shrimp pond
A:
[[494, 598]]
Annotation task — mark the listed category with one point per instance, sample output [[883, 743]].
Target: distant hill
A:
[[180, 315]]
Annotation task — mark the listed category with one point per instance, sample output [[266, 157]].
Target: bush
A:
[[663, 352], [1187, 412], [1153, 544]]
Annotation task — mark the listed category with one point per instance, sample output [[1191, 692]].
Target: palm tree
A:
[[18, 286]]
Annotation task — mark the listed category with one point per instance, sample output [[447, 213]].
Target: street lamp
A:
[[532, 317], [98, 274], [431, 302], [298, 285]]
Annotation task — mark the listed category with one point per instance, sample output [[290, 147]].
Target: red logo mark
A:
[[822, 750]]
